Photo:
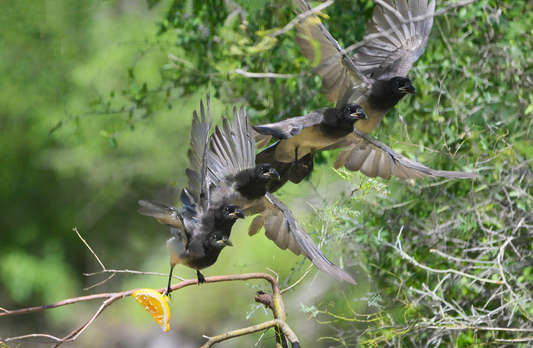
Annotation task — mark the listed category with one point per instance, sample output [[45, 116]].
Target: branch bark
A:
[[276, 306]]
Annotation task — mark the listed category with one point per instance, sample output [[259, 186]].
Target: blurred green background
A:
[[97, 98]]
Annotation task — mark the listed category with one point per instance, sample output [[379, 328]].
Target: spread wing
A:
[[164, 213], [373, 158], [196, 175], [198, 180], [339, 73], [289, 127], [232, 147], [285, 231], [395, 38]]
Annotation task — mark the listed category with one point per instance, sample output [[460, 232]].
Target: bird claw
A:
[[201, 278]]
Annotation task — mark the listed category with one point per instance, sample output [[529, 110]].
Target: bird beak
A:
[[359, 115], [225, 242], [237, 214], [409, 88], [272, 174]]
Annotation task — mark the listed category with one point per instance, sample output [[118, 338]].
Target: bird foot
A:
[[200, 276]]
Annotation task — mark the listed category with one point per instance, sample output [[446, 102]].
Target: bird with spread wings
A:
[[236, 179], [375, 78], [200, 230]]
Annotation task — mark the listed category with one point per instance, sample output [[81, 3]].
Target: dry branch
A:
[[277, 307]]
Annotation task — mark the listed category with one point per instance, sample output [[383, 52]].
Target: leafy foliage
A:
[[439, 263]]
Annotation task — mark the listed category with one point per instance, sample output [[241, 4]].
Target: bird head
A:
[[401, 85], [233, 212], [267, 171], [219, 241], [353, 112], [228, 214]]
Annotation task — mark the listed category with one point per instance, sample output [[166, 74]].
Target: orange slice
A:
[[156, 304]]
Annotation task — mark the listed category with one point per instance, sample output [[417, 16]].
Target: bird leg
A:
[[200, 277], [295, 163], [169, 280]]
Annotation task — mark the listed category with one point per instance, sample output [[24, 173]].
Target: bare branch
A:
[[276, 306]]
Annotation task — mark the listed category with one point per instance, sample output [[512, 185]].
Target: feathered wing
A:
[[198, 180], [261, 140], [232, 147], [164, 213], [339, 73], [190, 197], [282, 227], [396, 38], [287, 128], [374, 158]]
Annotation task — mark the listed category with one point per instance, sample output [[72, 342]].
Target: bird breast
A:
[[308, 140], [374, 117]]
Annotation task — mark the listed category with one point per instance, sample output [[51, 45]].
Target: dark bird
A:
[[198, 239], [374, 78], [300, 137], [362, 152], [237, 179], [200, 230]]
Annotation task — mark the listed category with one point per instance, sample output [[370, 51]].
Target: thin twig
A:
[[300, 17]]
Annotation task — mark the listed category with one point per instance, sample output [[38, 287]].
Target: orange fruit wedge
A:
[[156, 304]]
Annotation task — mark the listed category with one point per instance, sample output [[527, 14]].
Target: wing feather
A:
[[374, 158], [327, 58], [400, 36], [232, 147], [282, 227]]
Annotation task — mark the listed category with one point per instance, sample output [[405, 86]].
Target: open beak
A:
[[359, 115], [237, 214], [409, 88], [272, 174]]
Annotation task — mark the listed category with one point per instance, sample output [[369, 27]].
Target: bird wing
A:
[[329, 60], [289, 127], [261, 140], [232, 147], [164, 213], [395, 38], [374, 158], [285, 231], [198, 180]]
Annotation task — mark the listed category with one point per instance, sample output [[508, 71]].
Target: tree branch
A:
[[276, 306]]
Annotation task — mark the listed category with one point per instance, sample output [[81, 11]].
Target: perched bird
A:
[[300, 137], [199, 230], [195, 244], [236, 179]]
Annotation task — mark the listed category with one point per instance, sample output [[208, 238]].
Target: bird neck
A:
[[335, 119], [250, 184], [215, 220]]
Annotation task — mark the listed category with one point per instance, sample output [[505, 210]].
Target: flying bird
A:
[[200, 230], [300, 137], [362, 153], [375, 78], [197, 239], [235, 178]]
